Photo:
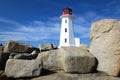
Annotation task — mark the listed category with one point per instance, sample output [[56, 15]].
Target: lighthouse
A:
[[67, 30]]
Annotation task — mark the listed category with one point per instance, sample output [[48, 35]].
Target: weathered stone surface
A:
[[24, 56], [3, 58], [76, 60], [23, 68], [47, 47], [13, 46], [105, 45], [50, 60], [66, 76], [69, 59]]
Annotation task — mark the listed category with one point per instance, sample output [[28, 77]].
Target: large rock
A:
[[69, 59], [50, 60], [23, 68], [3, 58], [47, 47], [19, 47], [76, 60], [105, 45]]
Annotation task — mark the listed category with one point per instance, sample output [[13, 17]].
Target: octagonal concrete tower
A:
[[67, 29]]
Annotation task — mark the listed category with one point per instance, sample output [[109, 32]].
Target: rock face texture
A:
[[69, 59], [23, 68], [66, 76], [13, 46], [76, 60], [50, 60], [47, 47], [105, 45]]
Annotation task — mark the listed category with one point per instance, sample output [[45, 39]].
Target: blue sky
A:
[[37, 21]]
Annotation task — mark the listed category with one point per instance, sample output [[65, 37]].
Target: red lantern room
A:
[[67, 11]]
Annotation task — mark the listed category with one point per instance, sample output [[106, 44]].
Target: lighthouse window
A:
[[65, 29], [65, 21], [65, 40]]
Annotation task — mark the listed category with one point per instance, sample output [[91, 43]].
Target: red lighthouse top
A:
[[67, 11]]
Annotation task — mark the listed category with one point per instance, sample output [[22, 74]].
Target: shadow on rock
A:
[[45, 72]]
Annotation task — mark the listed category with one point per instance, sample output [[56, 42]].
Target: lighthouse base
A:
[[77, 43]]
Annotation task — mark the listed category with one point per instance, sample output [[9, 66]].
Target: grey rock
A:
[[69, 59], [47, 47], [3, 58], [50, 60], [105, 45], [23, 68], [19, 47], [76, 60], [24, 56], [66, 76]]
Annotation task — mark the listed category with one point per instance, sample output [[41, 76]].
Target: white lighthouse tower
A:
[[67, 30]]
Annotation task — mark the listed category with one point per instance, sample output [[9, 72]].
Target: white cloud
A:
[[39, 30], [4, 20], [12, 35]]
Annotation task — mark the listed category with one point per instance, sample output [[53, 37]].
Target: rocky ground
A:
[[68, 76], [64, 76]]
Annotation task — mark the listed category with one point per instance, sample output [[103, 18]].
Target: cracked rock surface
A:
[[105, 45]]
